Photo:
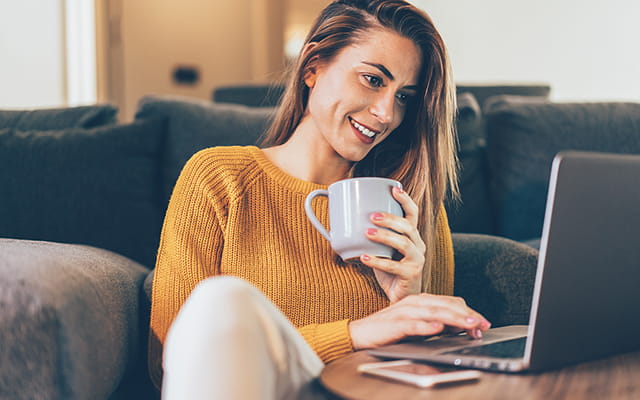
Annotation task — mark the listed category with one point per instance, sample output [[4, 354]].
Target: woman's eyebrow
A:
[[382, 69], [388, 73]]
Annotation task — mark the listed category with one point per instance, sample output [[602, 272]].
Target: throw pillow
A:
[[197, 124], [97, 186]]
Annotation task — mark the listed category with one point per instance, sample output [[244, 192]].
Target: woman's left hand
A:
[[398, 278]]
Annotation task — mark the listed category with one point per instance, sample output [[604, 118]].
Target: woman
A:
[[371, 95]]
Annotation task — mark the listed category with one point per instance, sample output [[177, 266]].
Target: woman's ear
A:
[[311, 69], [310, 77]]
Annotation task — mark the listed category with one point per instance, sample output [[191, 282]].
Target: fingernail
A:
[[478, 334], [398, 189], [372, 231], [377, 216], [485, 324], [436, 325], [365, 257], [471, 320]]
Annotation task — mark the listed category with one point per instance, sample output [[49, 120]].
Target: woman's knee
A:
[[217, 306]]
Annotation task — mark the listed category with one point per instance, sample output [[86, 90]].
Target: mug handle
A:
[[312, 216]]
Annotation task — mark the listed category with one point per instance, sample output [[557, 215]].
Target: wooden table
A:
[[617, 377]]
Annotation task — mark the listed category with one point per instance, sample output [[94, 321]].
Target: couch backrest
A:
[[523, 138], [59, 118]]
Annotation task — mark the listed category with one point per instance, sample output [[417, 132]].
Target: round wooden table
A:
[[617, 377]]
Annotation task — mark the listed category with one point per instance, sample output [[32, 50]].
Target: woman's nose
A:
[[383, 107]]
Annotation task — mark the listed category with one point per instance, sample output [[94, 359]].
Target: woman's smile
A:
[[365, 134]]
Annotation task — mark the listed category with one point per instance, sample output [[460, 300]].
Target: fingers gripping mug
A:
[[351, 203]]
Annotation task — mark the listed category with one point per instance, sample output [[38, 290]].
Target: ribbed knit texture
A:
[[234, 212]]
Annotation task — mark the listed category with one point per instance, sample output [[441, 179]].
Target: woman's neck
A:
[[308, 157]]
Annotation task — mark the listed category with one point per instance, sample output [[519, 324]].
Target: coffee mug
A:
[[351, 203]]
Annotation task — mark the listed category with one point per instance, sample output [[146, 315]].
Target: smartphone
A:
[[418, 374]]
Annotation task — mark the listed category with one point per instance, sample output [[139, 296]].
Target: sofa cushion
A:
[[523, 139], [197, 124], [495, 276], [68, 320], [59, 118], [98, 186]]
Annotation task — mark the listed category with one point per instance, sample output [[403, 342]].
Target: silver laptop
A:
[[586, 298]]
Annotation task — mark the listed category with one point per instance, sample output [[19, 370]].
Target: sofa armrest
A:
[[495, 276], [68, 320]]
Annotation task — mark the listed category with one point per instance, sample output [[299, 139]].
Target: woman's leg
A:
[[230, 342]]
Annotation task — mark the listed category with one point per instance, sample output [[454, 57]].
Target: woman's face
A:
[[358, 98]]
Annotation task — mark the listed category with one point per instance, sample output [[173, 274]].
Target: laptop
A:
[[586, 296]]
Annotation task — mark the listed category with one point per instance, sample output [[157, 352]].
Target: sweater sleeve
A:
[[190, 250], [330, 341]]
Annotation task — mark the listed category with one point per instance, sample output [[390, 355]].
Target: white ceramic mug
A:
[[351, 203]]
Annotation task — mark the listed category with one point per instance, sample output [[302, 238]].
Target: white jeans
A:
[[230, 342]]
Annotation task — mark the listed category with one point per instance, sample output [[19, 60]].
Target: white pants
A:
[[230, 342]]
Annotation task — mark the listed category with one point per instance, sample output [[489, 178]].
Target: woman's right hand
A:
[[416, 315]]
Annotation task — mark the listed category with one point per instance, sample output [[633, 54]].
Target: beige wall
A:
[[32, 56], [585, 49], [228, 42]]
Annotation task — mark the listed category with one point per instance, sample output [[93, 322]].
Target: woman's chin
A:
[[354, 156]]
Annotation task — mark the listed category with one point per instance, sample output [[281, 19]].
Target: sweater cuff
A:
[[330, 341]]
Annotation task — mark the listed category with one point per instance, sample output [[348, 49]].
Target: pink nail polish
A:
[[398, 189], [377, 216], [371, 231], [478, 334], [365, 257]]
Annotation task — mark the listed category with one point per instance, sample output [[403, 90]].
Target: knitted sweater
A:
[[234, 212]]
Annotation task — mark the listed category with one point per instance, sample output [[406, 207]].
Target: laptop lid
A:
[[584, 305], [585, 302]]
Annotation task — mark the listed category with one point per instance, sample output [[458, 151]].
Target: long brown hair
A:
[[421, 152]]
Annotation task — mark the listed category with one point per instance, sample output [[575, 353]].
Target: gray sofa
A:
[[82, 199]]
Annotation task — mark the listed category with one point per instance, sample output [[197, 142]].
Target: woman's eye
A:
[[373, 80], [403, 98]]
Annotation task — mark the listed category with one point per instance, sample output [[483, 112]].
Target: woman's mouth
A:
[[363, 133]]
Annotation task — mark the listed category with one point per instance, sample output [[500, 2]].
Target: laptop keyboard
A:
[[513, 348]]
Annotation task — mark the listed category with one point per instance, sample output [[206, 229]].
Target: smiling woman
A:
[[370, 95]]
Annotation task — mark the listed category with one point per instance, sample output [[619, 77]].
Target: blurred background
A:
[[70, 52]]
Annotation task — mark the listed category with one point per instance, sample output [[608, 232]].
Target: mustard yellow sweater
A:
[[234, 212]]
